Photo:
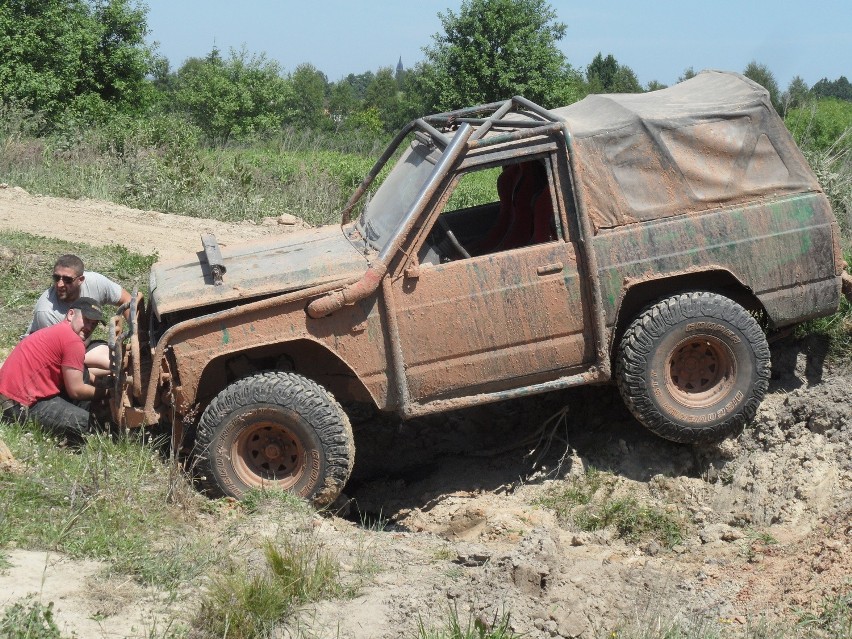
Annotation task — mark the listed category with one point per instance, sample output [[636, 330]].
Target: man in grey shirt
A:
[[70, 282]]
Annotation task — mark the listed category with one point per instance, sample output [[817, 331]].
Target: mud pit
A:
[[765, 518]]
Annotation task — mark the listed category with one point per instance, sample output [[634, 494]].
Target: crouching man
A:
[[42, 379]]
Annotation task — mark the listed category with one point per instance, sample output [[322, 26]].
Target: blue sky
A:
[[657, 39]]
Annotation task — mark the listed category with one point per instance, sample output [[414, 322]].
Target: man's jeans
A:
[[57, 416]]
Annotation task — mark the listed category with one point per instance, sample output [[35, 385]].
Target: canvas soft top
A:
[[712, 140]]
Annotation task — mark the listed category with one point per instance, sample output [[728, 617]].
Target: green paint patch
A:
[[226, 335], [613, 286]]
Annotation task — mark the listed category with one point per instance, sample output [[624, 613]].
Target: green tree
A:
[[761, 74], [342, 101], [840, 89], [237, 97], [601, 73], [569, 88], [492, 50], [688, 73], [359, 83], [413, 98], [796, 95], [606, 75], [367, 121], [308, 96], [88, 56], [382, 95]]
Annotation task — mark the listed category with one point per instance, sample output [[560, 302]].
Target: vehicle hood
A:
[[257, 268]]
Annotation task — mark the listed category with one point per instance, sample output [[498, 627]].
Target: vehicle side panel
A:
[[355, 335], [781, 250], [487, 323]]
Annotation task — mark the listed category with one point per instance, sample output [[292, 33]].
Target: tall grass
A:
[[251, 601], [832, 621], [160, 163], [836, 329], [111, 500], [453, 627]]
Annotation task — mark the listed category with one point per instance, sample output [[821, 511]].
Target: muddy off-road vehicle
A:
[[648, 239]]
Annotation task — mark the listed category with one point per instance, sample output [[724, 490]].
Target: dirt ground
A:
[[766, 517]]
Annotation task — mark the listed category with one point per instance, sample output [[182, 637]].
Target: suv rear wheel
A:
[[694, 367], [275, 430]]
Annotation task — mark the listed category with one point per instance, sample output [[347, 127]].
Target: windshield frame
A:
[[491, 124], [386, 209]]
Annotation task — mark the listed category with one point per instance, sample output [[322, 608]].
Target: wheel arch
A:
[[639, 295], [309, 358]]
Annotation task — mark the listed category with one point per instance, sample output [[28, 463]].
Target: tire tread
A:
[[315, 404], [639, 339]]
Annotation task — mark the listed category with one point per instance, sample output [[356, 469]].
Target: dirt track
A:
[[766, 517], [103, 223]]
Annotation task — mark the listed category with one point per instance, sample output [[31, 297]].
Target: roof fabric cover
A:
[[709, 141]]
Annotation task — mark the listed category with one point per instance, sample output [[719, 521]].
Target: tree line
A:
[[86, 61]]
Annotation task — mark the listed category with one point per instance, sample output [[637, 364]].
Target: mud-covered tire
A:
[[694, 367], [275, 430]]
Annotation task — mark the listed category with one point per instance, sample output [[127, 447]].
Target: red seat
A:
[[507, 182], [525, 216], [532, 208]]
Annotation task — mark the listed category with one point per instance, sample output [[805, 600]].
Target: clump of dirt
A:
[[8, 463]]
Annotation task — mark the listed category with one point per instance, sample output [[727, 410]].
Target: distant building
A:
[[400, 70]]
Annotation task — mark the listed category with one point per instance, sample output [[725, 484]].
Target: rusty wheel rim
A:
[[268, 452], [699, 371]]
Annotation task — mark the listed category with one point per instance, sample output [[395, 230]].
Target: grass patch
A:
[[575, 491], [113, 499], [244, 602], [109, 500], [454, 628], [632, 521], [160, 164], [259, 499], [836, 329], [29, 620], [832, 621], [588, 503]]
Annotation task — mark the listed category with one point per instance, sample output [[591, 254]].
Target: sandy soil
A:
[[103, 223], [766, 516]]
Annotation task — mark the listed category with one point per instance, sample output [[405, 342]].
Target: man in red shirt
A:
[[43, 374]]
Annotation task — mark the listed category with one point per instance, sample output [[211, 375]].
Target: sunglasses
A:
[[66, 279]]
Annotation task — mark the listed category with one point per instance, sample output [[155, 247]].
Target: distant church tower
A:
[[400, 71]]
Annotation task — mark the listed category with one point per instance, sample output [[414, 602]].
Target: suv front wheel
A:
[[275, 430], [694, 367]]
